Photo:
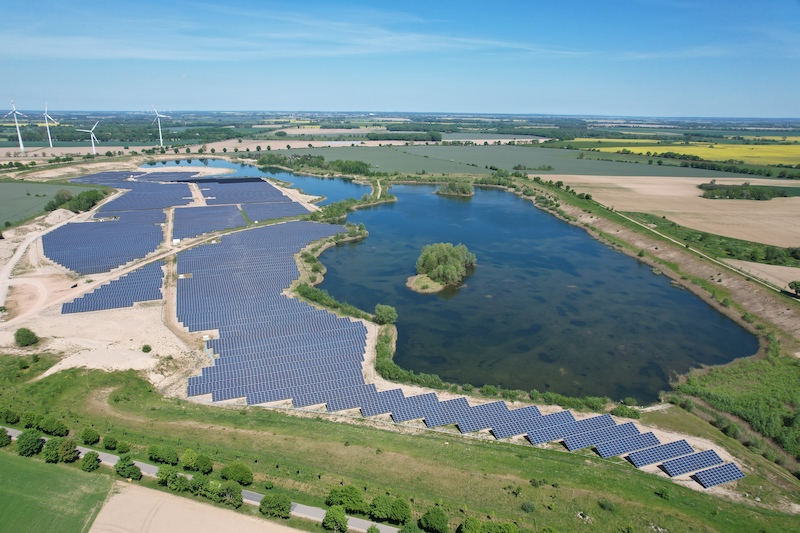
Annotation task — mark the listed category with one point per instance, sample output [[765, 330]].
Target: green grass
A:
[[18, 200], [306, 457], [36, 496]]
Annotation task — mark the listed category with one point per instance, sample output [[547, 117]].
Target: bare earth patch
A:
[[135, 509]]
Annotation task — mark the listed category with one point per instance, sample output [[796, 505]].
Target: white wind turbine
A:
[[16, 123], [92, 136], [158, 118], [47, 124]]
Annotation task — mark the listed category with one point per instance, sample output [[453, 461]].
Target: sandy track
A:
[[135, 509]]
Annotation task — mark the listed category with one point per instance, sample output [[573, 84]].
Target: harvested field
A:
[[137, 509], [771, 222]]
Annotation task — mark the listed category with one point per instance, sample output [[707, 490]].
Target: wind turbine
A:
[[92, 137], [47, 124], [16, 123], [158, 118]]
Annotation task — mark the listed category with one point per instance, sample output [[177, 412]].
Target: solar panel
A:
[[599, 436], [548, 434], [718, 475], [691, 463], [660, 453], [627, 445]]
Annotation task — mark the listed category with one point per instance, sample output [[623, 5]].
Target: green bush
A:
[[335, 519], [5, 438], [126, 469], [90, 462], [445, 263], [237, 472], [123, 447], [50, 450], [90, 436], [626, 412], [29, 443], [10, 416], [349, 497], [204, 464], [606, 505], [230, 493], [30, 420], [385, 314], [109, 442], [25, 337], [162, 454], [147, 348], [51, 426], [275, 505], [434, 521]]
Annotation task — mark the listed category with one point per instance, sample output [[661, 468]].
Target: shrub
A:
[[381, 507], [5, 438], [528, 507], [123, 447], [126, 469], [606, 505], [50, 450], [626, 412], [470, 525], [434, 521], [275, 505], [29, 443], [165, 474], [204, 464], [373, 529], [385, 314], [230, 493], [147, 348], [90, 436], [110, 443], [189, 459], [51, 426], [25, 337], [162, 454], [489, 390], [30, 420], [401, 511], [68, 450], [349, 497], [663, 493], [90, 462], [238, 473], [335, 519], [10, 416]]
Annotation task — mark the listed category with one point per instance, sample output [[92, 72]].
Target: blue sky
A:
[[628, 57]]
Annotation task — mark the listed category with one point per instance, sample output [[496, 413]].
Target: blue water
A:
[[333, 189], [547, 307]]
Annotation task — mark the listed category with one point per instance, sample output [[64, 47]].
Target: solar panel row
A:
[[193, 221], [718, 475], [140, 285]]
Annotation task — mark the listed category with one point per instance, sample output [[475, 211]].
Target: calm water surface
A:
[[547, 307]]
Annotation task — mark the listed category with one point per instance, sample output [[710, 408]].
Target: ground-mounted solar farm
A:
[[267, 348]]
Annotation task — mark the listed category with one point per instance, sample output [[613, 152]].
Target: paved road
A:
[[249, 497]]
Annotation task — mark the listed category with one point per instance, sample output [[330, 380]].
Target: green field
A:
[[19, 200], [306, 457], [474, 160], [36, 496]]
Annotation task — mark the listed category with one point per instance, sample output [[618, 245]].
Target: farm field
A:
[[460, 160], [755, 154], [305, 457], [21, 200], [678, 199], [35, 496]]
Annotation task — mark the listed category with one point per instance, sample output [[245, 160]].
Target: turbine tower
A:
[[16, 123], [92, 137], [158, 118], [47, 124]]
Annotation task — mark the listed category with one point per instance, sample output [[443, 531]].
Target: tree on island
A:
[[445, 263]]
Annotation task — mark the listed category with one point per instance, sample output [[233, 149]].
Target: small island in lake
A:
[[455, 188], [440, 265]]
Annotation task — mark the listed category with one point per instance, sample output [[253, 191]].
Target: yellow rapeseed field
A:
[[756, 154], [615, 141]]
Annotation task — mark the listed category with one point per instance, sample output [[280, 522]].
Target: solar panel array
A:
[[627, 445], [193, 221], [144, 195], [99, 246], [261, 212], [691, 463], [552, 433], [246, 192], [718, 475], [658, 454], [141, 285]]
